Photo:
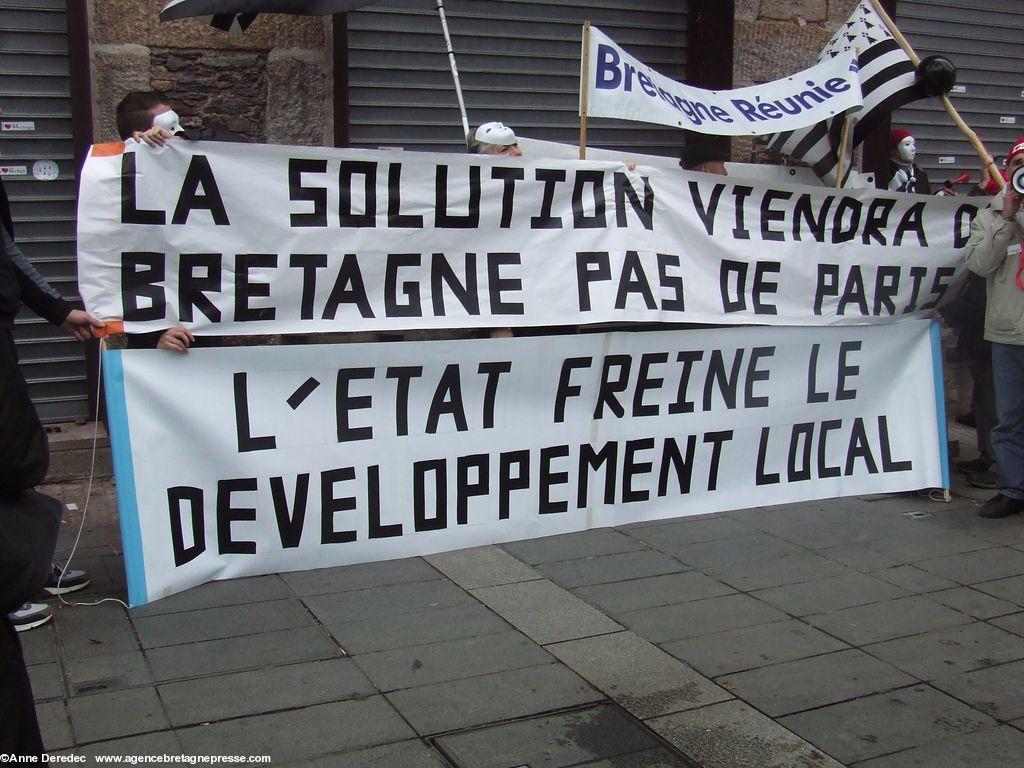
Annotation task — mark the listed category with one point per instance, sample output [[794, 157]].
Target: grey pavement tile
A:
[[794, 686], [997, 747], [700, 617], [739, 549], [258, 691], [653, 591], [652, 683], [432, 709], [46, 681], [92, 674], [451, 660], [572, 546], [416, 628], [690, 531], [734, 734], [752, 647], [300, 734], [943, 652], [149, 744], [482, 567], [650, 758], [850, 589], [234, 654], [94, 630], [54, 725], [886, 722], [390, 600], [404, 754], [996, 691], [610, 568], [116, 713], [1012, 623], [926, 543], [363, 576], [885, 621], [791, 569], [213, 594], [1011, 589], [552, 741], [974, 602], [215, 623], [863, 557], [39, 645], [973, 567], [913, 579], [545, 612]]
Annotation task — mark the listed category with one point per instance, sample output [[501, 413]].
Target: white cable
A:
[[88, 496]]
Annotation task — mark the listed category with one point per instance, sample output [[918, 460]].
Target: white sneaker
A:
[[61, 582], [30, 616]]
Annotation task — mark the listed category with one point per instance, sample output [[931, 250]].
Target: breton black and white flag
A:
[[887, 79]]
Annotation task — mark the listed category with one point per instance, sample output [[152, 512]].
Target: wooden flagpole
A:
[[972, 137], [584, 89], [844, 138]]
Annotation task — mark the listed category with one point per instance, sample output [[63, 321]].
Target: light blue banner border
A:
[[124, 471], [940, 401]]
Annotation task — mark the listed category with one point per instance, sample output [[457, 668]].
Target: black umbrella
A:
[[183, 9], [226, 14]]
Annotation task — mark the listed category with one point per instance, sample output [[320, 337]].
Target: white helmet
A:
[[495, 133]]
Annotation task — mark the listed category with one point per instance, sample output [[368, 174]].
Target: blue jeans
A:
[[1008, 435]]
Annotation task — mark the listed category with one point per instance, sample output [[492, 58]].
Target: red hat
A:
[[896, 135], [1016, 149]]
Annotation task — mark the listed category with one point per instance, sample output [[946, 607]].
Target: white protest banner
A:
[[297, 457], [248, 239], [621, 86]]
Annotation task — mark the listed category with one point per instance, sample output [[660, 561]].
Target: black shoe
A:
[[1000, 506], [979, 464], [988, 480]]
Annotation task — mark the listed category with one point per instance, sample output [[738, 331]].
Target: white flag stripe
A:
[[887, 81]]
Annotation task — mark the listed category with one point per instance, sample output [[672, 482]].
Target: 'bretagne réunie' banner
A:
[[621, 86], [297, 457], [243, 239]]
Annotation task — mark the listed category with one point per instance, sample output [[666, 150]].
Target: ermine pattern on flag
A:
[[888, 81]]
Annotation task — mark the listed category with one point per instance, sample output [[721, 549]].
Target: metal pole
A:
[[455, 71]]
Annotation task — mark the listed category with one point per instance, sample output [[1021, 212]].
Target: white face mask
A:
[[906, 150], [168, 121]]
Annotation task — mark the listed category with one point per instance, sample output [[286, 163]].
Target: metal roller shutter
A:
[[518, 60], [35, 137], [983, 39]]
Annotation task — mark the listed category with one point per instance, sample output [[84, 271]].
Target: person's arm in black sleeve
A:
[[42, 299], [35, 291]]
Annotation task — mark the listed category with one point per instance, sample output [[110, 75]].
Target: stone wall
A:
[[775, 38], [271, 83]]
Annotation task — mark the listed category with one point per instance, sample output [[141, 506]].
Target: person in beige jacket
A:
[[994, 252]]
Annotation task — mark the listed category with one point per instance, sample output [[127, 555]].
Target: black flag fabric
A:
[[887, 79]]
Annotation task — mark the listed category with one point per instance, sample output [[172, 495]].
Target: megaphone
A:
[[1017, 180], [963, 178]]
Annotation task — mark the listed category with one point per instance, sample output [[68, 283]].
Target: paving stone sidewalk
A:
[[876, 632]]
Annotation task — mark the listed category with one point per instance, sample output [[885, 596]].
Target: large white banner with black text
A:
[[250, 239], [243, 460]]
